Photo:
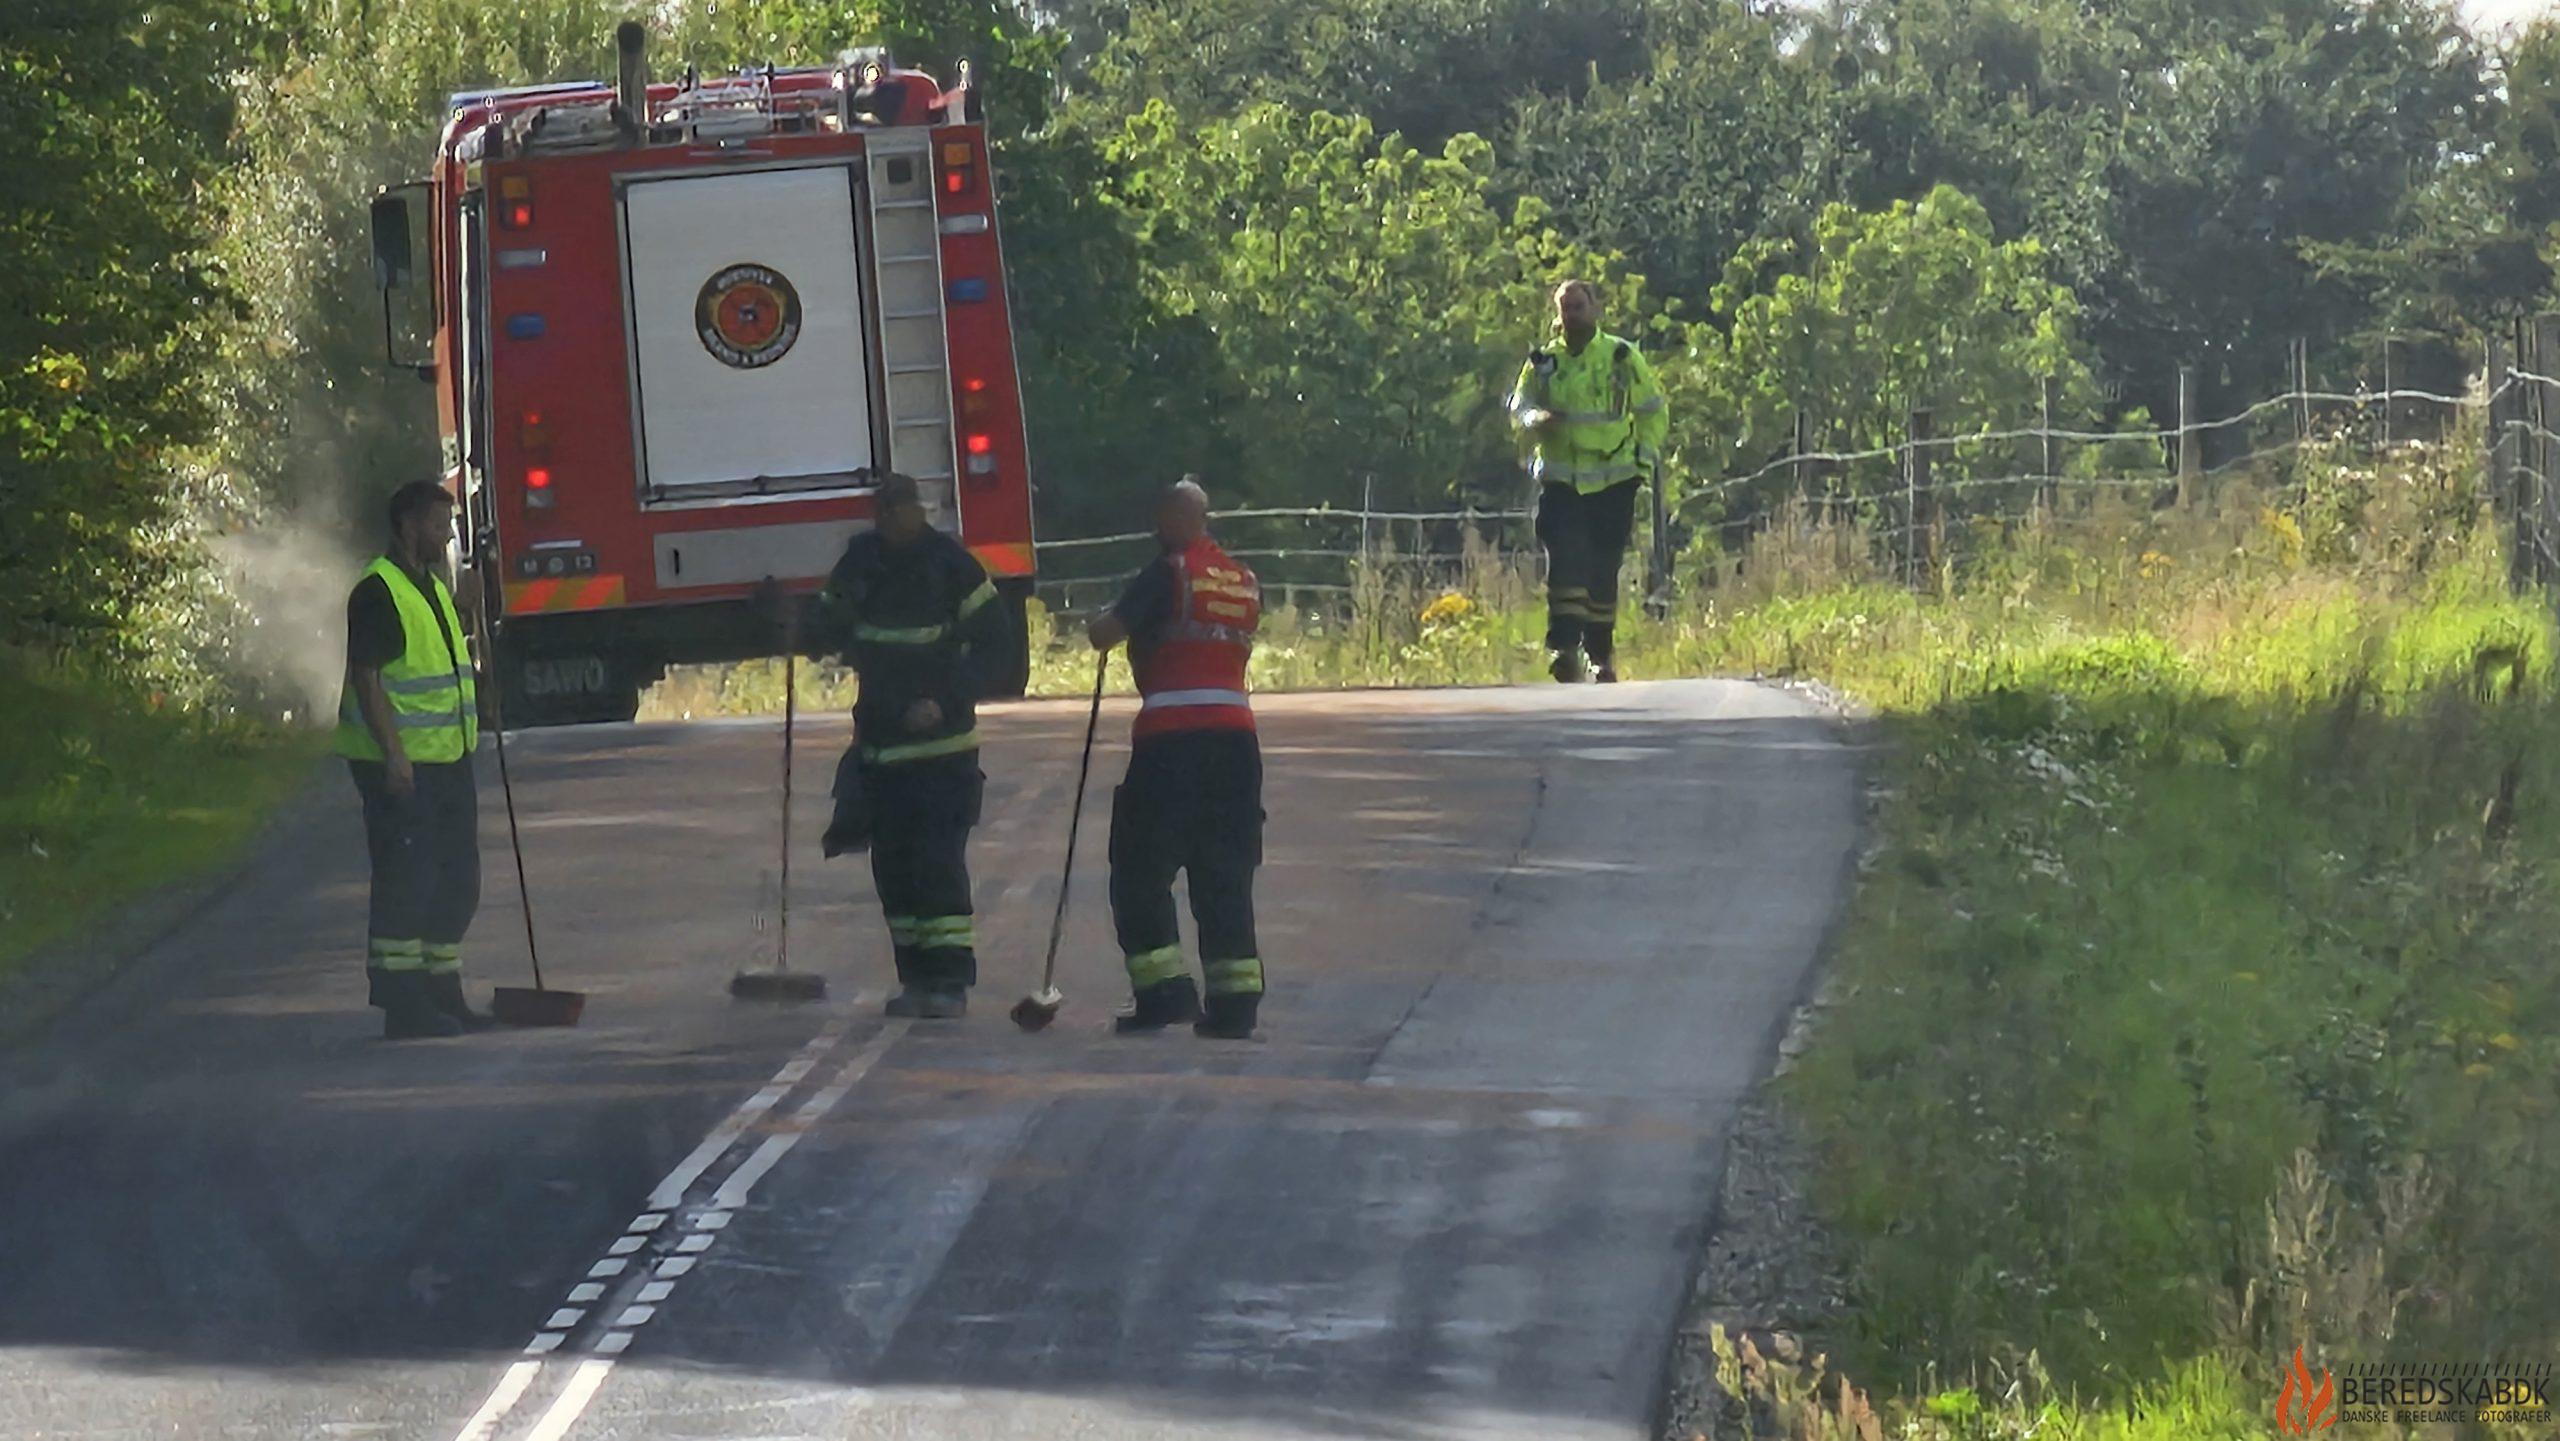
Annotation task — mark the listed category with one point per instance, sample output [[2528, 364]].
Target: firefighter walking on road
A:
[[916, 615], [1192, 800], [408, 722], [1596, 421]]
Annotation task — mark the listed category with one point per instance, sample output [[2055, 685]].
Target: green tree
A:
[[2182, 160], [117, 115], [1367, 302], [1723, 139], [1426, 69], [1916, 306]]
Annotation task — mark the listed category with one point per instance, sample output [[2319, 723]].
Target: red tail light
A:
[[515, 203]]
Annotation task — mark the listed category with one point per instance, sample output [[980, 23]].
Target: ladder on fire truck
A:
[[914, 347]]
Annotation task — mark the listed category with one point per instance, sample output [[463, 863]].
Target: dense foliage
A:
[[1299, 247]]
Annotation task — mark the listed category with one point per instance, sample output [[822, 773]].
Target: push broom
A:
[[1034, 1012], [783, 983], [538, 1005]]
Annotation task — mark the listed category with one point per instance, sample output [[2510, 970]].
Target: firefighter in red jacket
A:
[[1192, 800]]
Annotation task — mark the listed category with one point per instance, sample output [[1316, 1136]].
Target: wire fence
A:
[[1917, 499]]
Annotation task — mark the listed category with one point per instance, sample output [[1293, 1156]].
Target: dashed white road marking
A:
[[669, 1193], [703, 1225], [714, 1146]]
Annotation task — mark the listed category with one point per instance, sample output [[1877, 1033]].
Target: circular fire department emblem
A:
[[747, 315]]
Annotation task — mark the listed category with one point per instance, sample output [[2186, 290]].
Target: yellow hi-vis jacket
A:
[[1612, 408], [434, 702]]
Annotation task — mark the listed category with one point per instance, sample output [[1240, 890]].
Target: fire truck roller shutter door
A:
[[749, 352]]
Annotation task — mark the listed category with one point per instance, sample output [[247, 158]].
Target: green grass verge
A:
[[104, 796], [2198, 1002]]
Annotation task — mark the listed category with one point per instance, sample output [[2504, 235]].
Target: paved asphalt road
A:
[[1528, 948]]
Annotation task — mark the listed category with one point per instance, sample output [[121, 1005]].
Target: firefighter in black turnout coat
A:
[[915, 614]]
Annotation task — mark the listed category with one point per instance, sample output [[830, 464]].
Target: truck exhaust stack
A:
[[631, 75]]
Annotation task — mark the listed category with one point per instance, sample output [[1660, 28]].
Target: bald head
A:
[[1182, 513]]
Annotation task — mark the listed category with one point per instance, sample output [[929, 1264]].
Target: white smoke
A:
[[289, 579]]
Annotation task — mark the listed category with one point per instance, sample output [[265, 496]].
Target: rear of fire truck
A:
[[682, 330]]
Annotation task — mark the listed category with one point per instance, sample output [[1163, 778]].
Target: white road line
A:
[[564, 1413], [511, 1388], [690, 1169], [705, 1227], [733, 1193], [520, 1376]]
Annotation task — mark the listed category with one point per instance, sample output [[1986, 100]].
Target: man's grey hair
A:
[[1188, 488]]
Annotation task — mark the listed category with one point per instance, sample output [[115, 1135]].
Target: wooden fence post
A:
[[2190, 438], [2506, 478], [1920, 500], [2390, 352], [2301, 368], [2534, 499], [2048, 472]]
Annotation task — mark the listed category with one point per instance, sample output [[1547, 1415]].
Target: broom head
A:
[[1035, 1012], [778, 986], [525, 1006]]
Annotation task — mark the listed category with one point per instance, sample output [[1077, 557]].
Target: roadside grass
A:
[[104, 795], [2198, 1001]]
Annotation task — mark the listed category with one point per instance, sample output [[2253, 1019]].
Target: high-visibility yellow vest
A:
[[434, 702], [1613, 410]]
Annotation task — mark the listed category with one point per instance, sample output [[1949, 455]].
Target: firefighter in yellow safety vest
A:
[[1596, 421], [408, 722]]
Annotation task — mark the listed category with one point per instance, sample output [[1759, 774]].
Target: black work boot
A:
[[409, 1013], [1565, 666], [929, 1003], [1166, 1003], [444, 990], [1605, 673], [1228, 1018]]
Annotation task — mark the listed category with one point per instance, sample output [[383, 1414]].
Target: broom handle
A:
[[506, 783], [790, 715], [1075, 822]]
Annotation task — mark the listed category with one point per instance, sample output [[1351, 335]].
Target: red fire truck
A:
[[681, 329]]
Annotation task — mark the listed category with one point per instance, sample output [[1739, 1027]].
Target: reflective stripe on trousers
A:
[[1162, 700], [390, 955], [1234, 978], [1155, 967]]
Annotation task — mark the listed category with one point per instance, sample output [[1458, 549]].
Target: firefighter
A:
[[916, 615], [1596, 421], [408, 722], [1192, 800]]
